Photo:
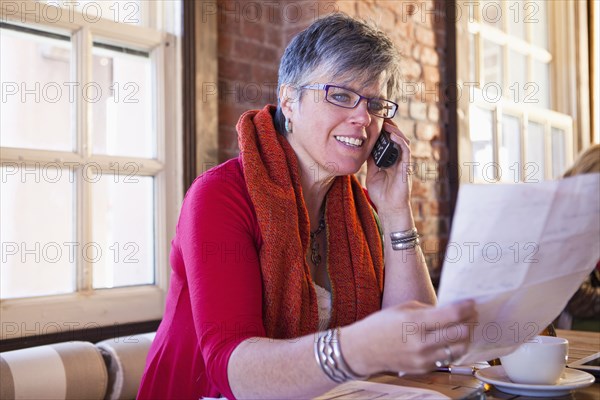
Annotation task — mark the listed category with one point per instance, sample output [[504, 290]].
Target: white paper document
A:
[[520, 251], [362, 390]]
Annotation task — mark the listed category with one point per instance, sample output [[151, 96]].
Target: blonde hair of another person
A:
[[588, 162]]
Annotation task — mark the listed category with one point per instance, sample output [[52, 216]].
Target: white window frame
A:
[[568, 103], [88, 308], [526, 171]]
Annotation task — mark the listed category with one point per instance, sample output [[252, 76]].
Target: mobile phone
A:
[[386, 152]]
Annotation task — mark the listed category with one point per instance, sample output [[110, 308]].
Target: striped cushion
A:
[[73, 370], [125, 358]]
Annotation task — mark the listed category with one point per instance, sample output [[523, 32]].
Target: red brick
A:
[[441, 190], [436, 208], [274, 37], [230, 93], [404, 47], [255, 12], [431, 74], [425, 36], [429, 92], [234, 70], [225, 44], [416, 52], [264, 74], [429, 56], [253, 30], [290, 31], [420, 189], [419, 225], [433, 249], [427, 131], [273, 13], [426, 170], [418, 110], [229, 16], [386, 20], [406, 126], [403, 108], [430, 225], [246, 50], [406, 10], [421, 149], [364, 8], [433, 112], [432, 244], [411, 70], [348, 7], [416, 206], [434, 14], [440, 152]]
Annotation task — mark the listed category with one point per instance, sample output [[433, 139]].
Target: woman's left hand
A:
[[390, 188]]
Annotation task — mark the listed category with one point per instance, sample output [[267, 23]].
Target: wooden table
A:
[[581, 344]]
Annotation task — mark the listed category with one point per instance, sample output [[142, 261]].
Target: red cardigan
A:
[[215, 295]]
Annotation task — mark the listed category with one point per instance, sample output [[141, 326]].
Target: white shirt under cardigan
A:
[[324, 304]]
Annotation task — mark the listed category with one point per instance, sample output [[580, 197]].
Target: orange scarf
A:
[[354, 252]]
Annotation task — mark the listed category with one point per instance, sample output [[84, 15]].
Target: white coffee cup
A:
[[539, 361]]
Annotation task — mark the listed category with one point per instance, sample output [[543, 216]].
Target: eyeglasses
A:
[[347, 98]]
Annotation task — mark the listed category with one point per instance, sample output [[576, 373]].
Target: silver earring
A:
[[288, 126]]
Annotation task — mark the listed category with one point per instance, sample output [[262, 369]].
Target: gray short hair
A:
[[341, 46]]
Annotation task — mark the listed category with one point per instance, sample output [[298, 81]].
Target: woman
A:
[[278, 287]]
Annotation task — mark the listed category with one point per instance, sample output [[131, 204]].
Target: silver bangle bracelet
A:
[[406, 245], [329, 357], [406, 240], [337, 352], [403, 234]]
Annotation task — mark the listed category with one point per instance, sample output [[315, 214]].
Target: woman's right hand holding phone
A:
[[390, 188]]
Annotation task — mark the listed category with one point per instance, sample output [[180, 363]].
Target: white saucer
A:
[[571, 379]]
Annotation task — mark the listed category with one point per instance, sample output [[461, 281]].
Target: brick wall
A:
[[252, 37]]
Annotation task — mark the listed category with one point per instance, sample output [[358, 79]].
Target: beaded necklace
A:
[[315, 256]]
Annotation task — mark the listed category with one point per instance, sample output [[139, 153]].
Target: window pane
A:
[[39, 250], [558, 152], [122, 104], [481, 125], [491, 13], [518, 76], [516, 25], [472, 59], [123, 227], [541, 74], [492, 63], [37, 92], [536, 15], [534, 157], [510, 149], [125, 11]]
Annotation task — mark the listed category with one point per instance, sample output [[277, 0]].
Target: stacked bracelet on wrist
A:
[[405, 240], [329, 357]]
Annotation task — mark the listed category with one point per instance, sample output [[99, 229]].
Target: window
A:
[[519, 119], [89, 92]]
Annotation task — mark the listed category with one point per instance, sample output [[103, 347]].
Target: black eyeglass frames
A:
[[347, 98]]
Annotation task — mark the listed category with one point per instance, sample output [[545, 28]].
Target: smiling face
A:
[[329, 138]]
